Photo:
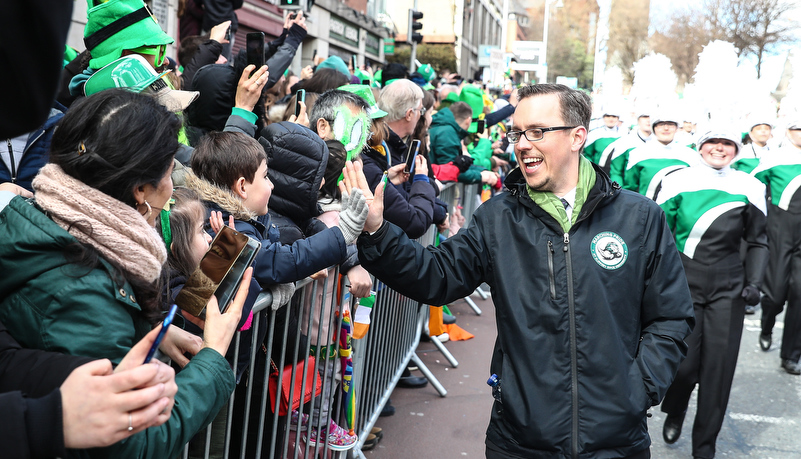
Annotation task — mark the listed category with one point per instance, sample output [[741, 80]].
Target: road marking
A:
[[758, 418]]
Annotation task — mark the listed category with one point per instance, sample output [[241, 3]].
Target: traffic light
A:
[[290, 4], [414, 25]]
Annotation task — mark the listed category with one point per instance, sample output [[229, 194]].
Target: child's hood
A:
[[224, 198]]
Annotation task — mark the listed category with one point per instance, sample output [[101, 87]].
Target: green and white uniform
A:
[[710, 213], [615, 157], [748, 158], [648, 165], [597, 140], [780, 171]]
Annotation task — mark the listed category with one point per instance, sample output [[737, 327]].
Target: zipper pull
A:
[[566, 241]]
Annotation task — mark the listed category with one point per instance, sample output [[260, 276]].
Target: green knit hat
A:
[[474, 97], [336, 63], [117, 25], [364, 91], [427, 72]]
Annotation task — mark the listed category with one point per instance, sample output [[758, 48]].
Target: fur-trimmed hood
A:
[[224, 198]]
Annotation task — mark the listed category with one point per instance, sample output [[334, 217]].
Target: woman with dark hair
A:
[[82, 259], [322, 81]]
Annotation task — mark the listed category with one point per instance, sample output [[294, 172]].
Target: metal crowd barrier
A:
[[247, 428]]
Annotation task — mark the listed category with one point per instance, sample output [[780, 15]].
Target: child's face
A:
[[200, 243], [259, 191]]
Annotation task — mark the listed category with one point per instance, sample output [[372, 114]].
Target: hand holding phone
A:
[[255, 49], [165, 325], [411, 155], [300, 96]]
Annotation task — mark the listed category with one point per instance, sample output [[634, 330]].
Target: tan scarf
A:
[[116, 230]]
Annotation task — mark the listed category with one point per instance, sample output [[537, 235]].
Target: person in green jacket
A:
[[448, 127], [82, 261]]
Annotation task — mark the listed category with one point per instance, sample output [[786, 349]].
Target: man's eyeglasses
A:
[[534, 134], [421, 109]]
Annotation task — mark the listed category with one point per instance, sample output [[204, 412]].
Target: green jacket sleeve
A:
[[204, 386], [471, 175], [445, 145], [482, 153]]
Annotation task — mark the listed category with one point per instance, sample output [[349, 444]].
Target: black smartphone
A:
[[255, 49], [228, 33], [165, 325], [230, 284], [480, 126], [219, 272], [300, 96], [314, 56], [353, 62], [414, 148], [367, 82]]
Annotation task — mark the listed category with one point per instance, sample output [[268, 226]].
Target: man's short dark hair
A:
[[222, 157], [461, 111], [575, 105], [329, 101], [189, 47]]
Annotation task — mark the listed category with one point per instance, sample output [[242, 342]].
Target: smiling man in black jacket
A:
[[591, 299]]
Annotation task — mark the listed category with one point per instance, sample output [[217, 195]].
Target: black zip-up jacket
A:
[[591, 322]]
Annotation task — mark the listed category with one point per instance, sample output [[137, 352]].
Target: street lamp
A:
[[548, 3]]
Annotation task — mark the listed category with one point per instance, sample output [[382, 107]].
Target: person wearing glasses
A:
[[591, 300]]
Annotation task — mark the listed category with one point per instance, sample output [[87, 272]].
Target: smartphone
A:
[[228, 33], [255, 49], [219, 272], [366, 82], [292, 16], [480, 126], [165, 325], [353, 60], [414, 148], [314, 57], [300, 96]]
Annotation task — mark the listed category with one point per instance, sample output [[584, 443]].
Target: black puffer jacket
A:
[[297, 159], [587, 342]]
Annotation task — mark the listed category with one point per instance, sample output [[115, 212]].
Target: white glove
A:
[[282, 293], [353, 215]]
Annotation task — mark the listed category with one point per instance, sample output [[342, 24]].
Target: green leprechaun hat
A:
[[117, 25]]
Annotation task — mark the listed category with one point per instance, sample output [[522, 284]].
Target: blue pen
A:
[[164, 327]]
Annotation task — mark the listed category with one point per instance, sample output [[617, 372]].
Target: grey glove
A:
[[353, 215], [282, 293]]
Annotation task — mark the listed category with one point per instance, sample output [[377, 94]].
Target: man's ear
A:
[[323, 128], [239, 188], [579, 137]]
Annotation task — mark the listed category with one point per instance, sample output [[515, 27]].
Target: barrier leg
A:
[[484, 295], [473, 305], [445, 352], [429, 376]]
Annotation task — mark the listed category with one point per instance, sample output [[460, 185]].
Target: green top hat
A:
[[473, 97], [427, 72], [135, 74], [364, 91], [117, 25]]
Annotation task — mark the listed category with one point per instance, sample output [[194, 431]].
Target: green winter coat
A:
[[52, 304], [446, 137]]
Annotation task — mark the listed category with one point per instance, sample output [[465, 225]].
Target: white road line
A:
[[758, 418]]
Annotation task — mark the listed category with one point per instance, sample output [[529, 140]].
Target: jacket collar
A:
[[600, 195], [224, 198]]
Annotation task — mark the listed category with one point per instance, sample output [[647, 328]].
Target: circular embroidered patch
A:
[[609, 250]]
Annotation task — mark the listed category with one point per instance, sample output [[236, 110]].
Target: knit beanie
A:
[[336, 63], [474, 97], [117, 25]]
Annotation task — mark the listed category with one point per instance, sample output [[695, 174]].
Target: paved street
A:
[[763, 420]]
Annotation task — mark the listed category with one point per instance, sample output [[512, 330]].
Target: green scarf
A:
[[553, 205]]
